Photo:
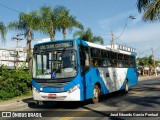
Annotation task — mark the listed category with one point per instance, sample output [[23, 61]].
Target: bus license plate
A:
[[53, 96]]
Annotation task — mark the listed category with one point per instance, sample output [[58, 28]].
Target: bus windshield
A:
[[55, 64]]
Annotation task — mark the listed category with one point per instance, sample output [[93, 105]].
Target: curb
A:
[[15, 105], [147, 77], [22, 106]]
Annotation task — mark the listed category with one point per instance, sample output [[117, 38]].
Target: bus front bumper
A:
[[63, 96]]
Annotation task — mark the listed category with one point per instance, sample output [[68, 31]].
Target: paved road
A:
[[143, 97]]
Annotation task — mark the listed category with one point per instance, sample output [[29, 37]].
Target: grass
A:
[[19, 97]]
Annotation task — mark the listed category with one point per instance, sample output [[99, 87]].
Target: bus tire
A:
[[126, 87], [96, 94], [39, 102]]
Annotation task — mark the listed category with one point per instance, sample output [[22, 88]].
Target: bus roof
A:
[[117, 47]]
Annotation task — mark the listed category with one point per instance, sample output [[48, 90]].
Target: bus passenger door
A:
[[85, 66]]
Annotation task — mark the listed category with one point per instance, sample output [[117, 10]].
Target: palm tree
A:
[[88, 36], [3, 31], [48, 21], [151, 9], [65, 20], [28, 22], [146, 61]]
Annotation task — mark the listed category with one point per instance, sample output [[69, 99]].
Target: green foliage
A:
[[14, 82], [87, 35], [146, 61], [27, 23], [66, 21], [151, 9], [56, 19], [3, 31]]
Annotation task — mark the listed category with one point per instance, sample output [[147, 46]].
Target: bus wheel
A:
[[39, 102], [96, 94], [126, 89]]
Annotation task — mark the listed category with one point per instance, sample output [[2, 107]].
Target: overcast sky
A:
[[101, 16]]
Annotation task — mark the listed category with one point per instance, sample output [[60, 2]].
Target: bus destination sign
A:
[[55, 45]]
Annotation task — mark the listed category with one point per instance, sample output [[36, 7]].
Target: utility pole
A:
[[154, 66], [125, 25], [17, 40], [112, 41]]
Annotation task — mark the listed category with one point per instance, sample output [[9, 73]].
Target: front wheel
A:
[[96, 94], [126, 89]]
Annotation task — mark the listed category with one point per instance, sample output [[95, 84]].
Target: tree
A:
[[88, 36], [151, 9], [65, 20], [28, 22], [48, 21], [3, 31], [146, 61]]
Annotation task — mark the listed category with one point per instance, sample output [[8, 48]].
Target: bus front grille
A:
[[52, 85]]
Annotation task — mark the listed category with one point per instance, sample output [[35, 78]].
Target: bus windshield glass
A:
[[55, 64]]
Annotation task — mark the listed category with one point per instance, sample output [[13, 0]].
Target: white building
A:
[[13, 57]]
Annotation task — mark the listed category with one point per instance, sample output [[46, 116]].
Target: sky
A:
[[103, 17]]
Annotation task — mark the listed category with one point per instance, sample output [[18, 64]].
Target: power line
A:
[[9, 8], [125, 25], [120, 41]]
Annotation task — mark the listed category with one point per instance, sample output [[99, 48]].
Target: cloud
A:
[[119, 20], [138, 34], [135, 31], [149, 32], [143, 37]]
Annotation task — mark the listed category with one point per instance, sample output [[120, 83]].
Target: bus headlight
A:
[[41, 89], [73, 88]]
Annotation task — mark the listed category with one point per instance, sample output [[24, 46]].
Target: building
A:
[[13, 57]]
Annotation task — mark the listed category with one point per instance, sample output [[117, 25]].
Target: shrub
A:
[[14, 82]]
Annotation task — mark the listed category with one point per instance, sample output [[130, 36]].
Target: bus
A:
[[76, 70]]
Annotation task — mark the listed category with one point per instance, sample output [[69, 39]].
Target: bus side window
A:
[[104, 63], [96, 62], [114, 63]]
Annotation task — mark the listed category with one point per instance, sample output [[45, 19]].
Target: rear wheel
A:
[[96, 94]]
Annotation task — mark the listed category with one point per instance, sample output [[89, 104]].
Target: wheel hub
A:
[[95, 93]]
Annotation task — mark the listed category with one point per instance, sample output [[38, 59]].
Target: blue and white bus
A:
[[76, 70]]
